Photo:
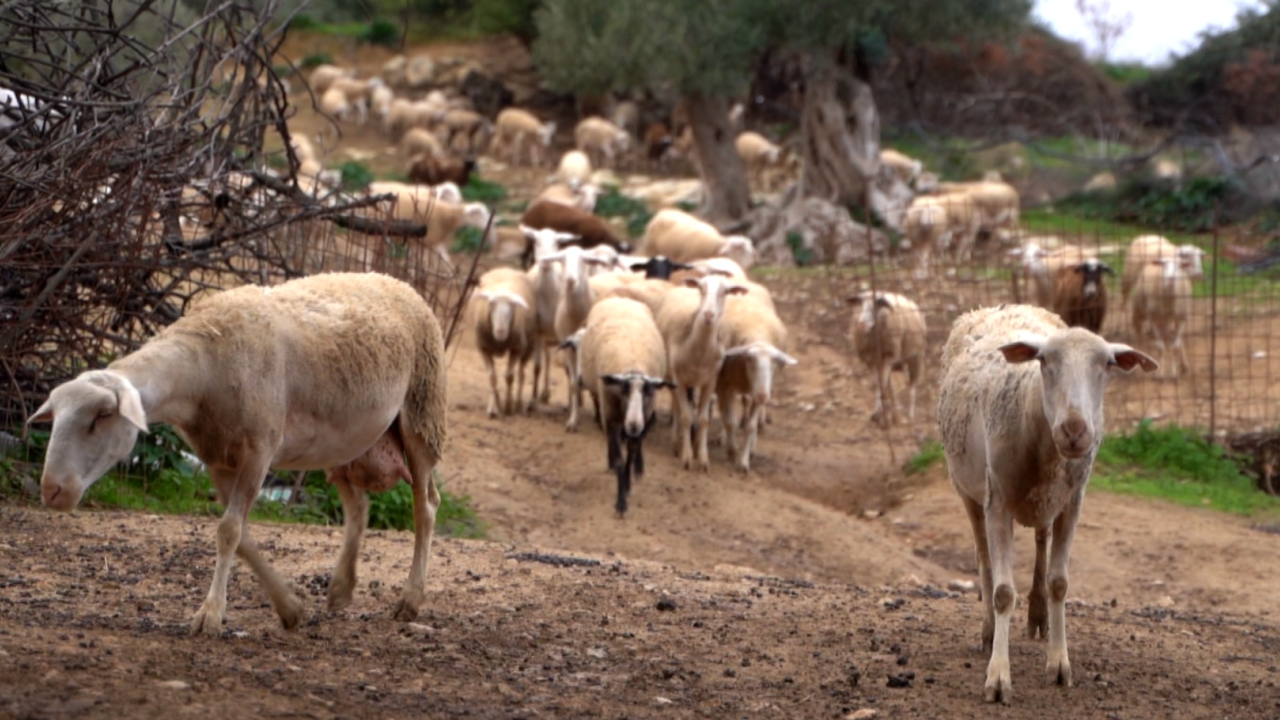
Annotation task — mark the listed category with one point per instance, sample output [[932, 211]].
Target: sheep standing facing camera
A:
[[888, 333], [1020, 438], [340, 371]]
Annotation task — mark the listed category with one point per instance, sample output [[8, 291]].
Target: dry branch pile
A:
[[134, 176]]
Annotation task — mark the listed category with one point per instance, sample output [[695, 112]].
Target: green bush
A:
[[803, 255], [929, 455], [613, 203], [356, 176], [381, 32], [303, 21], [467, 240], [315, 59], [1151, 202], [477, 190]]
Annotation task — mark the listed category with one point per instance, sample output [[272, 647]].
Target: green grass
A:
[[1179, 465], [612, 203], [927, 456]]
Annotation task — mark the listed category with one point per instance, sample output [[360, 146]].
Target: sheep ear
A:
[[882, 302], [1107, 269], [657, 383], [624, 247], [1126, 358], [569, 342], [130, 407], [690, 282], [529, 233], [1025, 350], [681, 266], [854, 299], [637, 267], [517, 300], [565, 238], [615, 379], [736, 290], [43, 414], [484, 294], [783, 358]]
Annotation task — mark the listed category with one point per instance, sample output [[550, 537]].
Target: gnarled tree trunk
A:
[[725, 195], [841, 148]]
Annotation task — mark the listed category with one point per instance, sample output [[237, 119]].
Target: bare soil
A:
[[812, 588]]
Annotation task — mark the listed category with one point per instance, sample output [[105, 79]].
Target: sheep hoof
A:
[[405, 611], [208, 621], [999, 687], [292, 613], [571, 426], [493, 411], [1058, 673]]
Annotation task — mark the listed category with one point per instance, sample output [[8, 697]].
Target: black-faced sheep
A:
[[1080, 295]]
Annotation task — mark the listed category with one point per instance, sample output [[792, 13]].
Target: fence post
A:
[[1213, 333]]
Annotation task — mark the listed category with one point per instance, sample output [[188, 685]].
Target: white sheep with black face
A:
[[1020, 415]]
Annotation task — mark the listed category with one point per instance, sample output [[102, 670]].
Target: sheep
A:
[[420, 203], [754, 339], [419, 141], [622, 364], [960, 231], [334, 104], [381, 98], [1020, 440], [689, 320], [997, 203], [601, 140], [925, 225], [1162, 300], [1154, 247], [338, 371], [574, 168], [516, 127], [1080, 295], [469, 125], [905, 167], [543, 243], [323, 76], [888, 335], [1041, 267], [505, 324], [658, 267], [626, 115], [590, 230], [357, 93], [582, 197], [571, 310], [758, 153], [431, 170], [684, 238], [405, 114]]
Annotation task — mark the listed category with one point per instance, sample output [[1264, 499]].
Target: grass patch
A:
[[356, 176], [927, 456], [477, 190], [1181, 466], [613, 203], [467, 240]]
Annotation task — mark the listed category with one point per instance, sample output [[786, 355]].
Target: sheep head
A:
[[96, 419], [1075, 367], [713, 290], [635, 390], [502, 307], [740, 249], [1092, 270]]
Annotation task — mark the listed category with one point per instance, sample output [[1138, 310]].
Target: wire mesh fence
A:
[[1206, 307]]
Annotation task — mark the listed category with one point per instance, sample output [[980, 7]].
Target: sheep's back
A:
[[621, 337]]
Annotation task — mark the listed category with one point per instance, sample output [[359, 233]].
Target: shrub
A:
[[355, 176], [381, 32], [315, 60], [614, 204], [477, 190]]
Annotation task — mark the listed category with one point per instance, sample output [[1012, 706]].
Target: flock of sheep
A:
[[347, 371]]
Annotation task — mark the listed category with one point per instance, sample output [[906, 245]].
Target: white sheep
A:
[[574, 168], [601, 140], [1146, 248], [583, 197], [547, 284], [515, 128], [689, 320], [468, 125], [758, 153], [324, 76], [925, 225], [626, 115], [622, 363], [358, 94], [888, 335], [504, 322], [905, 167], [574, 303], [1020, 439], [1162, 308], [755, 339], [338, 371], [682, 237], [381, 98], [422, 204], [334, 104], [420, 141], [997, 203]]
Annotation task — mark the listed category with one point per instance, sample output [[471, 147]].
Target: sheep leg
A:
[[703, 420], [355, 517], [749, 444], [978, 519], [286, 603], [620, 465], [510, 378], [541, 368], [426, 501], [684, 421], [1058, 667], [1181, 349], [575, 395], [1037, 609], [999, 685], [493, 384], [729, 420], [237, 488], [525, 407]]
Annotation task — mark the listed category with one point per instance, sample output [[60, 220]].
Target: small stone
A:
[[863, 714], [662, 701], [1165, 602], [598, 653], [666, 605], [174, 685], [420, 628], [964, 586], [871, 514]]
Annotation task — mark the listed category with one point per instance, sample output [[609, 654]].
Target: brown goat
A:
[[591, 230], [657, 138], [1080, 295]]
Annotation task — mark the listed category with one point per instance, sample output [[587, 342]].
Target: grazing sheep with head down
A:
[[684, 238], [601, 140], [889, 334], [1020, 439], [622, 363], [515, 128], [338, 371], [1146, 248], [505, 324]]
